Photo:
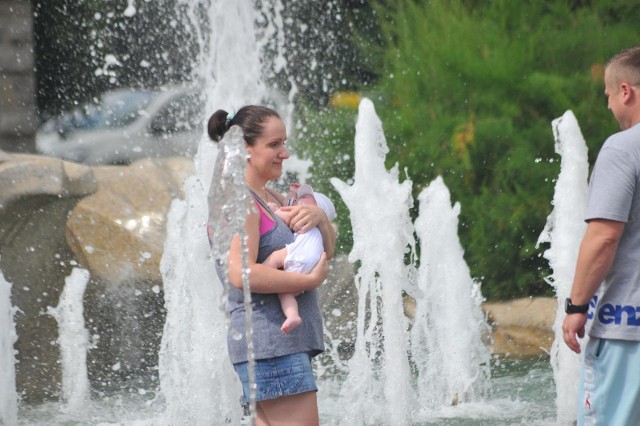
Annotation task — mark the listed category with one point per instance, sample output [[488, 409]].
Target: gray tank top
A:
[[268, 339]]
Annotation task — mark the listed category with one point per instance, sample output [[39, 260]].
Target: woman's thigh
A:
[[300, 409]]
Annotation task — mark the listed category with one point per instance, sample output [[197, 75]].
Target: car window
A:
[[181, 114], [121, 108], [115, 109]]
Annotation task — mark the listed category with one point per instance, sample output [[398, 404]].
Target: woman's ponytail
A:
[[218, 124]]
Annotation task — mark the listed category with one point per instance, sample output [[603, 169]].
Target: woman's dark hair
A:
[[250, 118]]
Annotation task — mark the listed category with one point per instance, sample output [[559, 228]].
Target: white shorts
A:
[[609, 388]]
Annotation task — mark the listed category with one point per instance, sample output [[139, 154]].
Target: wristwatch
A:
[[570, 308]]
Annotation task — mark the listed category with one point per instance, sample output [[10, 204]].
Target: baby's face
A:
[[307, 199]]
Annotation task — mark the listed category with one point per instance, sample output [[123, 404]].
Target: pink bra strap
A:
[[266, 223]]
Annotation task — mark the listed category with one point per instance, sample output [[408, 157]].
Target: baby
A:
[[301, 255]]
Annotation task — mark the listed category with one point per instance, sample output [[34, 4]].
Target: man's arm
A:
[[596, 255]]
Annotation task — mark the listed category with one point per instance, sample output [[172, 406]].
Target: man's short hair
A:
[[625, 66]]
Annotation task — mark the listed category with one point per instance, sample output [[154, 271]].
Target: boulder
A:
[[25, 175], [56, 216], [521, 327], [118, 233], [36, 195]]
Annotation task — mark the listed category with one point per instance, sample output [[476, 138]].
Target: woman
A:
[[286, 390]]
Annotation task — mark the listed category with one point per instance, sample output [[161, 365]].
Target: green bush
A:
[[326, 137], [468, 90]]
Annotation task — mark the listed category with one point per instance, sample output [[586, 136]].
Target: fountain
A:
[[564, 230], [405, 370], [74, 342], [379, 380], [380, 383], [193, 363], [8, 394], [449, 309]]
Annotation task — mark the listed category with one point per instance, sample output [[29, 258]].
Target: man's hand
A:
[[572, 328]]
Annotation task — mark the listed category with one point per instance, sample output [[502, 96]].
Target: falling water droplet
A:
[[235, 334]]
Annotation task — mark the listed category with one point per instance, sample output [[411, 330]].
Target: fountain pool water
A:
[[403, 371]]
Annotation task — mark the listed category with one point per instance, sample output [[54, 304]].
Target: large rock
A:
[[55, 216], [339, 305], [522, 327], [23, 176], [118, 233], [36, 196]]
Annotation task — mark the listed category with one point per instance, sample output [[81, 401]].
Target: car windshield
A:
[[115, 109]]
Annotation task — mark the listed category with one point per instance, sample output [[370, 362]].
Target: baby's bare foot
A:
[[291, 323]]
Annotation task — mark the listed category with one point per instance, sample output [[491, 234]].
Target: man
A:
[[609, 390]]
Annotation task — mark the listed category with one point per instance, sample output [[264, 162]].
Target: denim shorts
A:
[[276, 377]]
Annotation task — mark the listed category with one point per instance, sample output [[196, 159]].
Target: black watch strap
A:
[[570, 308]]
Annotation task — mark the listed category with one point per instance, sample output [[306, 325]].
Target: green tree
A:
[[468, 90]]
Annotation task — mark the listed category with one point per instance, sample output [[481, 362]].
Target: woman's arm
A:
[[262, 278], [305, 217]]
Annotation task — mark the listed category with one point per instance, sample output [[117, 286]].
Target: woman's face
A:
[[269, 150]]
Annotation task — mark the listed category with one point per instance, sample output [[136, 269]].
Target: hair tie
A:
[[227, 122]]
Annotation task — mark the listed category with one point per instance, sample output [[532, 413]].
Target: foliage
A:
[[321, 57], [327, 137], [468, 90]]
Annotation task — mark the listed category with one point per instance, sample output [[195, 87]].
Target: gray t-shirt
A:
[[614, 194], [268, 340]]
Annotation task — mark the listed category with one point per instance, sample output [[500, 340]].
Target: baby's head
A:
[[306, 195]]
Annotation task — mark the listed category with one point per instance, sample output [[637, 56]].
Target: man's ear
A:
[[628, 92]]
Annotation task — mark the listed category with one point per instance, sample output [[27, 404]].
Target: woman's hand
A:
[[320, 272], [304, 217]]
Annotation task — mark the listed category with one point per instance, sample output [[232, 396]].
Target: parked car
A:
[[126, 125]]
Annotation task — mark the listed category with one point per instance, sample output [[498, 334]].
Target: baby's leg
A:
[[290, 308], [276, 259]]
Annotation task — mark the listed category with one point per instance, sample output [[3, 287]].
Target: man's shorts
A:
[[609, 388]]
